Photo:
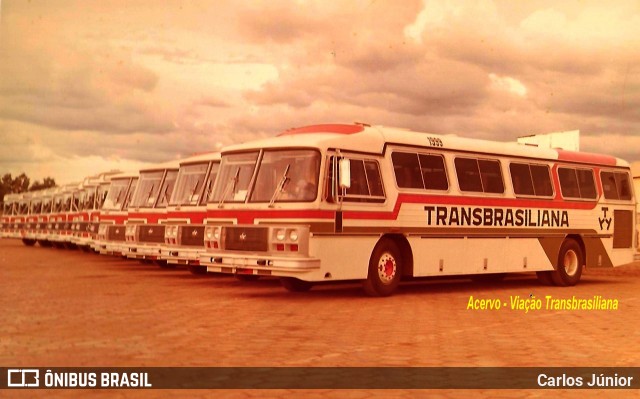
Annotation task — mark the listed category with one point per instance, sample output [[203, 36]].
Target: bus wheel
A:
[[293, 284], [44, 243], [570, 261], [545, 278], [28, 242], [385, 269]]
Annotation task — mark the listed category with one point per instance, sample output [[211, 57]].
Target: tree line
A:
[[22, 183]]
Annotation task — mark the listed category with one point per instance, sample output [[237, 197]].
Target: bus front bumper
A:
[[182, 255], [258, 265]]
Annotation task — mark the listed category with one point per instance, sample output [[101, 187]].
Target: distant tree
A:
[[20, 184], [46, 183]]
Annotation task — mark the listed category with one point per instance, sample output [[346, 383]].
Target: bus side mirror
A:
[[345, 173]]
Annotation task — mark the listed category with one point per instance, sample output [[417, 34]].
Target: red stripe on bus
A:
[[194, 217], [586, 157], [249, 216], [471, 201], [327, 128]]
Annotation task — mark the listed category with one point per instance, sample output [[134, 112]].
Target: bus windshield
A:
[[116, 195], [287, 176], [46, 205], [283, 176], [148, 189], [167, 188], [189, 184], [36, 206], [235, 175], [79, 200]]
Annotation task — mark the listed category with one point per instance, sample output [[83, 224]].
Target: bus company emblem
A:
[[150, 231], [243, 236], [194, 233]]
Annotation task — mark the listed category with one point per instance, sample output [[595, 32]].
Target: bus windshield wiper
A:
[[193, 192], [231, 185], [149, 194], [281, 185]]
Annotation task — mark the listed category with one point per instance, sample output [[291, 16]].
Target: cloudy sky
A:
[[87, 86]]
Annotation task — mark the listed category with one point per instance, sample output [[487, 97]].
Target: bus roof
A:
[[162, 166], [210, 156], [374, 139]]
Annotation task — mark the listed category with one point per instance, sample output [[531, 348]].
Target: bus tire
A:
[[385, 269], [28, 242], [293, 284], [569, 266], [545, 278]]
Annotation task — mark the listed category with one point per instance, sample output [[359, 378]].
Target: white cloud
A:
[[508, 84]]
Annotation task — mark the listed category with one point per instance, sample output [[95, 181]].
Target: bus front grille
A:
[[192, 235], [246, 238], [115, 233], [151, 233]]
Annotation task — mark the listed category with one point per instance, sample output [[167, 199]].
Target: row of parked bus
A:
[[350, 202]]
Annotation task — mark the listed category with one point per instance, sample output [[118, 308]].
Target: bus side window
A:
[[479, 175], [586, 184], [366, 182], [541, 177], [434, 173], [609, 185], [568, 183], [521, 179], [468, 174], [358, 178], [406, 168], [615, 185], [622, 182], [577, 183]]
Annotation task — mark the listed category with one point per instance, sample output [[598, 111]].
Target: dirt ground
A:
[[63, 308]]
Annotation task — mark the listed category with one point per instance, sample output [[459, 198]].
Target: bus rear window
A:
[[577, 183]]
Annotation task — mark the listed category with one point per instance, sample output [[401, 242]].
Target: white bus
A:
[[147, 213], [114, 213], [184, 233], [358, 202]]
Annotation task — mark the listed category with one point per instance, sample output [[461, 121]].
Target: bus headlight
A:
[[293, 235], [280, 234], [208, 232]]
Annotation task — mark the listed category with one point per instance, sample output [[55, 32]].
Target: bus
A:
[[62, 210], [145, 229], [23, 218], [184, 233], [91, 196], [378, 204], [9, 209], [114, 213], [45, 197]]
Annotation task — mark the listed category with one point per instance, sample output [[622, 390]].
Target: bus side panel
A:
[[343, 257], [455, 256]]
